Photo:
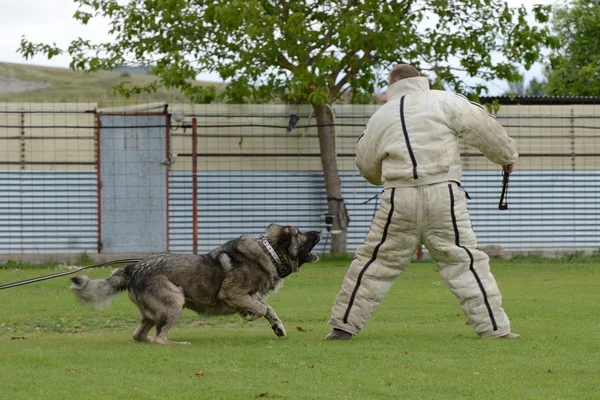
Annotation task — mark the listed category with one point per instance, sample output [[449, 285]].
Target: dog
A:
[[233, 278]]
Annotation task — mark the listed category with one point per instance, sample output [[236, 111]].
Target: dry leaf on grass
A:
[[301, 329]]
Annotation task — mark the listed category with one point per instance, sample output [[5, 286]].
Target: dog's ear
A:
[[285, 239], [273, 230]]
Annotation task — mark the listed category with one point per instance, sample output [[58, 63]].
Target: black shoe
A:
[[338, 334]]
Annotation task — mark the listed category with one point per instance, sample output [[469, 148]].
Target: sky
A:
[[51, 21]]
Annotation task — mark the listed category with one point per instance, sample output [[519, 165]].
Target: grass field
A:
[[417, 345]]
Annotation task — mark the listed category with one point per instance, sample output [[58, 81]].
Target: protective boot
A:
[[510, 335], [338, 334]]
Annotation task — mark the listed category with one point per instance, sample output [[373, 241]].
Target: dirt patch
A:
[[16, 85]]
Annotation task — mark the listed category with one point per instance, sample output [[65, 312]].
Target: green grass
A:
[[417, 345], [70, 86]]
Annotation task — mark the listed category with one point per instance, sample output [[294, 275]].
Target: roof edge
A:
[[540, 100]]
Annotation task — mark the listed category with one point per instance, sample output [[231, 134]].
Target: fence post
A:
[[98, 123], [194, 186], [573, 138]]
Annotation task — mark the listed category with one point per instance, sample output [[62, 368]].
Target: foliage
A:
[[305, 51], [85, 259], [536, 87], [519, 88], [575, 69]]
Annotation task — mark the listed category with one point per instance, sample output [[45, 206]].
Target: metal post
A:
[[194, 186], [167, 172], [99, 181]]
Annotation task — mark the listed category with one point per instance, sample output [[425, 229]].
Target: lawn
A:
[[417, 345]]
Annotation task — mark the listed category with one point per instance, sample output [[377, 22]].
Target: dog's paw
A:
[[279, 330], [249, 316]]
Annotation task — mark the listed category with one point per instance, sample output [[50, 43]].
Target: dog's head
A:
[[294, 245]]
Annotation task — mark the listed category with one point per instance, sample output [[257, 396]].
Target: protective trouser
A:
[[436, 216]]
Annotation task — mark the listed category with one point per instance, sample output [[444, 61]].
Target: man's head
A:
[[402, 71]]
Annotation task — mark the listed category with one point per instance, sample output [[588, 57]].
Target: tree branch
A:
[[351, 68]]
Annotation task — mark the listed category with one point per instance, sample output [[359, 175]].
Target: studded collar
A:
[[283, 268]]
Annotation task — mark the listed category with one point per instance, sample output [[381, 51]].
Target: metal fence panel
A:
[[548, 209], [48, 211]]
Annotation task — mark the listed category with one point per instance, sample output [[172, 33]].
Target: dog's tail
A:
[[99, 292]]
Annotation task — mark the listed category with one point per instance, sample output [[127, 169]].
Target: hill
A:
[[27, 83]]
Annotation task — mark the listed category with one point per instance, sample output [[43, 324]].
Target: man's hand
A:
[[508, 168]]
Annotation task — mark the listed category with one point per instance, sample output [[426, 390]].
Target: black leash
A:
[[45, 277]]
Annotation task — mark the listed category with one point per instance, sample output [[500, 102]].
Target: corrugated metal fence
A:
[[253, 172], [45, 212], [48, 211]]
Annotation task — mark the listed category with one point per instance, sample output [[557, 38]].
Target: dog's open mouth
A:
[[313, 257]]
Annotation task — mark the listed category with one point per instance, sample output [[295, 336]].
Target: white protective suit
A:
[[411, 146]]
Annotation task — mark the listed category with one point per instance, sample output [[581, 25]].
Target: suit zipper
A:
[[408, 146]]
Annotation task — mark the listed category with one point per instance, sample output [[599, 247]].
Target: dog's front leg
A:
[[249, 316], [247, 305], [251, 307], [274, 320]]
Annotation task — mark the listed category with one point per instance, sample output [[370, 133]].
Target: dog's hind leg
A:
[[141, 333], [163, 325], [164, 300]]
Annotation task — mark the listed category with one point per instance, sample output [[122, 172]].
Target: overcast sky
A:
[[51, 21]]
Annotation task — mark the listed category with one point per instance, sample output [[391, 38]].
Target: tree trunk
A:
[[333, 186]]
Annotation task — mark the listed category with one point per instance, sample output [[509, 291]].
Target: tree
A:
[[516, 88], [520, 88], [307, 51], [575, 69], [536, 88]]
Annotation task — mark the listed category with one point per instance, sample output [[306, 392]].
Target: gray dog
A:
[[233, 278]]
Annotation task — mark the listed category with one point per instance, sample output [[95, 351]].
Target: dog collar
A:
[[283, 268]]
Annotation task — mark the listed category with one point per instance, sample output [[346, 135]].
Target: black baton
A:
[[503, 205]]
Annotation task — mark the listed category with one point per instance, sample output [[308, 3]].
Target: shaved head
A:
[[402, 71]]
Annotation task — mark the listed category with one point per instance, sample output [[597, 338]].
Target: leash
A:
[[502, 204], [51, 276]]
